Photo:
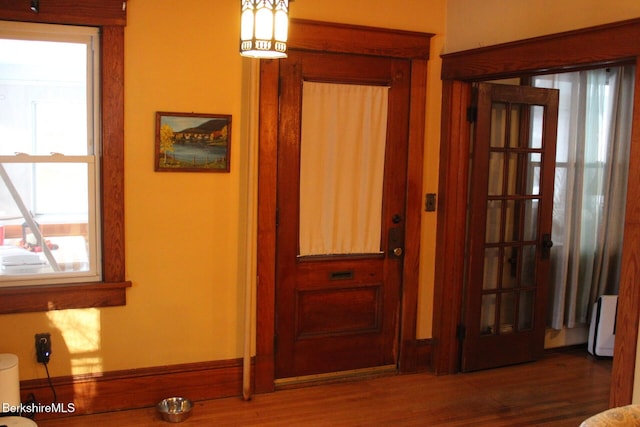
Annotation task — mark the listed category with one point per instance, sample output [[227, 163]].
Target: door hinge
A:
[[461, 332], [472, 114]]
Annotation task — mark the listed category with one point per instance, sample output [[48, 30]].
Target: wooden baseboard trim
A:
[[423, 354], [137, 388]]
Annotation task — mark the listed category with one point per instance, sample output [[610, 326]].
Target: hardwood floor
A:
[[562, 389]]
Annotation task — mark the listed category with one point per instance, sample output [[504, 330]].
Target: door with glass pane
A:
[[509, 233], [342, 160]]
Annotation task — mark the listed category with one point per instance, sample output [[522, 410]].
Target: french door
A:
[[509, 232]]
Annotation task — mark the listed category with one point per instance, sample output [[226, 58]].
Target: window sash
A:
[[89, 37]]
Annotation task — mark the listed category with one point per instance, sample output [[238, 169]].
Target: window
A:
[[48, 170], [109, 17]]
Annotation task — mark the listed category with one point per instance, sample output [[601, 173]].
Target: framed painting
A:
[[192, 142]]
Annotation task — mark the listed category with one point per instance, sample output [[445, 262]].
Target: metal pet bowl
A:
[[175, 409]]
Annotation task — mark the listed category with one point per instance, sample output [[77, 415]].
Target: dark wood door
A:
[[513, 168], [338, 310]]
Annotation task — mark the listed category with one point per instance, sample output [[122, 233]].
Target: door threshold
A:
[[291, 382]]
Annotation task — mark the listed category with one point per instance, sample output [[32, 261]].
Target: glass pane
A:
[[491, 268], [488, 315], [44, 106], [533, 174], [496, 165], [498, 124], [525, 310], [513, 177], [514, 124], [530, 230], [510, 267], [54, 236], [537, 114], [494, 213], [507, 312], [528, 273]]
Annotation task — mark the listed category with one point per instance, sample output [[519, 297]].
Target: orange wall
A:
[[473, 24]]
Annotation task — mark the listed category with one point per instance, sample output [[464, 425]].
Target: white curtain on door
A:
[[594, 134], [344, 129]]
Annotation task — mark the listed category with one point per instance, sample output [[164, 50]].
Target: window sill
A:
[[61, 297]]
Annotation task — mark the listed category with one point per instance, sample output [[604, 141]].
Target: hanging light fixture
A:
[[264, 28]]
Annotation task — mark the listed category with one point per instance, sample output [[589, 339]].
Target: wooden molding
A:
[[450, 237], [86, 12], [137, 388], [590, 47], [79, 295], [354, 39]]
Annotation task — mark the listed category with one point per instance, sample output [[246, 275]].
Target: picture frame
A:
[[192, 142]]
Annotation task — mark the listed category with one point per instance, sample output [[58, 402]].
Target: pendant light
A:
[[264, 28]]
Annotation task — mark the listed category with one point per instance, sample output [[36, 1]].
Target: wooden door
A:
[[513, 168], [338, 310]]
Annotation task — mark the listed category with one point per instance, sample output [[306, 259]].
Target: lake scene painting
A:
[[190, 142]]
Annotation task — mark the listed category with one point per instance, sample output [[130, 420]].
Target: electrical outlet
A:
[[43, 347]]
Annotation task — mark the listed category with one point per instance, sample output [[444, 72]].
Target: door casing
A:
[[348, 39], [586, 48]]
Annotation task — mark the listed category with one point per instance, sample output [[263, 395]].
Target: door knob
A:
[[397, 252], [547, 244]]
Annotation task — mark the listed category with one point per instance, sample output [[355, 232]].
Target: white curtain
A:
[[342, 153], [594, 133]]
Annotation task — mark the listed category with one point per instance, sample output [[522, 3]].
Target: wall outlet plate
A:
[[43, 347]]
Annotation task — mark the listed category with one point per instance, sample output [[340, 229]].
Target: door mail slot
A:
[[341, 275]]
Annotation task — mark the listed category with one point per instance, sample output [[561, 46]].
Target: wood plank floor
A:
[[562, 389]]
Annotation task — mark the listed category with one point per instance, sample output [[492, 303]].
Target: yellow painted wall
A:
[[184, 231], [472, 24]]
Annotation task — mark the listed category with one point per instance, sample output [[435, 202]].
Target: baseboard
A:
[[137, 388], [423, 354]]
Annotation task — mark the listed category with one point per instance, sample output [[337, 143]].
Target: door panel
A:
[[338, 310], [509, 225]]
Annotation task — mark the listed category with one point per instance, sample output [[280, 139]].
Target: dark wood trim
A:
[[266, 256], [450, 235], [354, 39], [87, 12], [112, 290], [606, 44], [625, 351], [112, 157], [137, 388], [80, 295], [424, 351], [590, 47], [338, 38], [408, 359]]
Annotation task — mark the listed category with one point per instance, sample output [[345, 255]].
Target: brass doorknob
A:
[[397, 251]]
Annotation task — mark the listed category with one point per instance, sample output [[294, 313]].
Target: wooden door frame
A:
[[587, 48], [348, 39]]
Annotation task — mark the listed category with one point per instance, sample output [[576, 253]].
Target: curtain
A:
[[344, 129], [594, 134]]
